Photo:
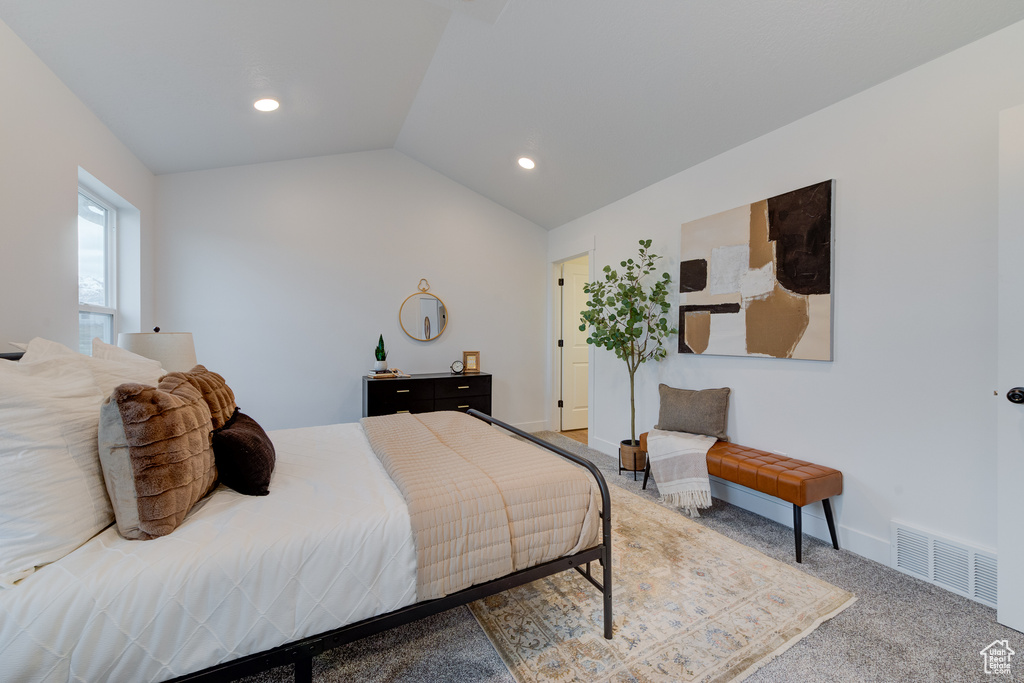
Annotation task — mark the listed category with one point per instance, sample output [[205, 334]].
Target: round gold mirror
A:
[[423, 316]]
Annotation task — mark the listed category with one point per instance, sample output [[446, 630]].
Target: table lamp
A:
[[175, 350]]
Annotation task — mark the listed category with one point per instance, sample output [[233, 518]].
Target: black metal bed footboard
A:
[[606, 513], [301, 652]]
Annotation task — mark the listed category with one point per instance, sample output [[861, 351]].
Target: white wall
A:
[[287, 272], [46, 134], [1010, 417], [906, 408]]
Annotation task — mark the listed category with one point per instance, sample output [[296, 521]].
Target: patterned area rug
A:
[[689, 605]]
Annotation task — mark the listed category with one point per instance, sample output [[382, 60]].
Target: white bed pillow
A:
[[114, 366], [101, 349], [40, 349], [52, 495]]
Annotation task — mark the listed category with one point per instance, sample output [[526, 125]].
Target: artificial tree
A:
[[630, 318]]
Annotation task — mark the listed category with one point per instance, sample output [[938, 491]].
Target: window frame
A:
[[110, 257]]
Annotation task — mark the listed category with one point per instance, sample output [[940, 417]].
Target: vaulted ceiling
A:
[[607, 96]]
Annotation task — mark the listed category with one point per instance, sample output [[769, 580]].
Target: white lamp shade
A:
[[175, 350]]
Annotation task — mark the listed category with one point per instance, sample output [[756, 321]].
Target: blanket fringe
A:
[[688, 501]]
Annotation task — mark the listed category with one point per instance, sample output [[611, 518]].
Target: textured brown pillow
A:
[[245, 455], [215, 391], [156, 455], [697, 412]]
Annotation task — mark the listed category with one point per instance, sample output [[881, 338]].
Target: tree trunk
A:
[[632, 405]]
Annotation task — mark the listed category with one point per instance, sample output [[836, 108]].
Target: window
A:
[[97, 302]]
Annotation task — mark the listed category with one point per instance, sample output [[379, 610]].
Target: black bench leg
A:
[[797, 529], [831, 522], [304, 670], [647, 472]]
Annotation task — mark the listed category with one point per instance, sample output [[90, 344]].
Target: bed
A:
[[333, 554]]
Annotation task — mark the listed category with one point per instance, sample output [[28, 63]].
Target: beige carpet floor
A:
[[900, 630], [689, 605]]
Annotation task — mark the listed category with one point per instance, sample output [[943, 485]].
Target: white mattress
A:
[[331, 545]]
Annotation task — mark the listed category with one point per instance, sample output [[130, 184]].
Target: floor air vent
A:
[[955, 566]]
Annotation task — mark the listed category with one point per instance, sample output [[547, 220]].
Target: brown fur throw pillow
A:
[[215, 391], [156, 455]]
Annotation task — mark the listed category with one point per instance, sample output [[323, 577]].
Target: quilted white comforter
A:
[[482, 505], [241, 575]]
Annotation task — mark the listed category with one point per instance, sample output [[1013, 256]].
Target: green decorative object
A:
[[380, 353], [627, 316]]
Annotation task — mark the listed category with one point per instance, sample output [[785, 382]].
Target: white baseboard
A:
[[531, 427], [607, 447], [865, 545]]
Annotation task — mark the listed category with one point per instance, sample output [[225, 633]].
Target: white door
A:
[[574, 345], [1010, 416]]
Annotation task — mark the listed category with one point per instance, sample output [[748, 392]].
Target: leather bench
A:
[[794, 481]]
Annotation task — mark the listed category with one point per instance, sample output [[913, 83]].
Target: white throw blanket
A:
[[679, 463]]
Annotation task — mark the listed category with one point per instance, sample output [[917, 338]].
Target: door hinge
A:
[[561, 404], [561, 282], [560, 343]]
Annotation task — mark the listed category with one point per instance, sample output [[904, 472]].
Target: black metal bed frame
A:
[[301, 652]]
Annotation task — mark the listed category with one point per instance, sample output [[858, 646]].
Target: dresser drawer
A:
[[425, 393], [464, 385], [403, 389], [464, 403], [392, 406]]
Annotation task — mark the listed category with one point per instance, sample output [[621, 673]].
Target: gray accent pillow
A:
[[697, 412]]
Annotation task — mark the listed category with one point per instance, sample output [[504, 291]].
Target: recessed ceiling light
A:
[[527, 163], [266, 104]]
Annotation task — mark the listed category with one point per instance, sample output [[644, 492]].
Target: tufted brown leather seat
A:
[[794, 481]]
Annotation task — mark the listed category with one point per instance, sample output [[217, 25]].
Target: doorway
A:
[[573, 350]]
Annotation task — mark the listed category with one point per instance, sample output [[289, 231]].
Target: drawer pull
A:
[[465, 387], [399, 412], [401, 391], [460, 407]]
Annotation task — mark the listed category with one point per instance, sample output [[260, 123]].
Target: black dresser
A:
[[424, 393]]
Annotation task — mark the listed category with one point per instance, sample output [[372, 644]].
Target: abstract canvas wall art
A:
[[757, 280]]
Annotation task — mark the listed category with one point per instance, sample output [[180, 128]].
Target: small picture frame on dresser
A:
[[470, 361]]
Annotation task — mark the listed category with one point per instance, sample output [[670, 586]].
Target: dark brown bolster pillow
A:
[[245, 455]]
